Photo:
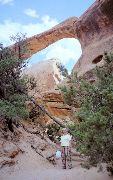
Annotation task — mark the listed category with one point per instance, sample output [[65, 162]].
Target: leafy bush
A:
[[53, 130]]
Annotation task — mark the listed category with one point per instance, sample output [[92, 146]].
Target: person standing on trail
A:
[[66, 149]]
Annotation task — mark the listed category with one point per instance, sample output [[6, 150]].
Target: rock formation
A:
[[95, 33], [54, 104], [43, 40], [48, 76], [94, 30]]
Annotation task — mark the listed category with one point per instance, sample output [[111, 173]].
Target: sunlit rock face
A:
[[54, 104], [34, 44], [48, 77]]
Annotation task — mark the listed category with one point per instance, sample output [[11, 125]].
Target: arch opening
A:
[[67, 51]]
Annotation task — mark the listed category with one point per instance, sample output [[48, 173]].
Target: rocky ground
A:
[[23, 156]]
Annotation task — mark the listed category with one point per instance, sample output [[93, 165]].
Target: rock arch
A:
[[66, 29], [94, 30]]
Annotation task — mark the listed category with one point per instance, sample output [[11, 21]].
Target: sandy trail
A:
[[31, 166]]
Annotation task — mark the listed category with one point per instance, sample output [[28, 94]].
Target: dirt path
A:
[[31, 166], [47, 172]]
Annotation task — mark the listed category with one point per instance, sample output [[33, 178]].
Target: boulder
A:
[[10, 149]]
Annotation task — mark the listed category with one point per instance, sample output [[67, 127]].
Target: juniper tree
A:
[[62, 69], [94, 133], [13, 86]]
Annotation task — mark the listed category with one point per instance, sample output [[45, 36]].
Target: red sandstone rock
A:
[[47, 93], [95, 33]]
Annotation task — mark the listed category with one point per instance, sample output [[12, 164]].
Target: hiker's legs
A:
[[69, 162], [64, 157]]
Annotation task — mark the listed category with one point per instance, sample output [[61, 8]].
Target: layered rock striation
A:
[[48, 76]]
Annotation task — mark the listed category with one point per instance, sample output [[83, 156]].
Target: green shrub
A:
[[13, 86], [94, 133]]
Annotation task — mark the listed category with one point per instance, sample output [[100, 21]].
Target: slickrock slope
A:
[[48, 76], [94, 30]]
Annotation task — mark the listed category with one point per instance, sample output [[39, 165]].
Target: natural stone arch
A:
[[66, 29], [94, 30]]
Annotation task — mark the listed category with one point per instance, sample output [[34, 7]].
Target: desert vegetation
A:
[[94, 132], [13, 85]]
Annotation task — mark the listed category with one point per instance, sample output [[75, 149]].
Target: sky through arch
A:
[[67, 51]]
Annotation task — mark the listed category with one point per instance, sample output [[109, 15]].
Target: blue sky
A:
[[33, 17]]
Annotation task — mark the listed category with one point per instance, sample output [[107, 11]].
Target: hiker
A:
[[66, 149]]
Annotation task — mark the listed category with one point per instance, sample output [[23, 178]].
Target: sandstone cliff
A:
[[95, 33], [48, 76]]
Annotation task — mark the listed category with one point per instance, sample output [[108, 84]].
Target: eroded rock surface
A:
[[95, 33], [55, 105], [47, 93], [46, 74], [8, 150]]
